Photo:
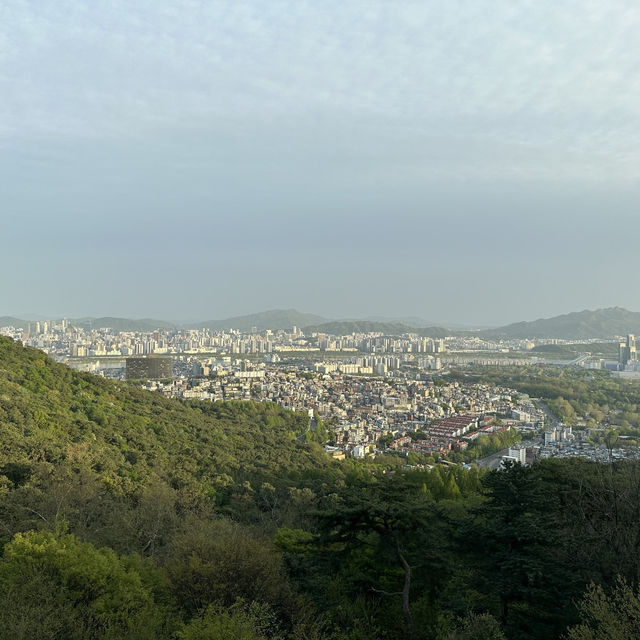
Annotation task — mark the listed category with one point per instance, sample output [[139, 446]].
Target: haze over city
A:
[[464, 163]]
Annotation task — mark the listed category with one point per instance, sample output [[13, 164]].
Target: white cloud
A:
[[537, 88]]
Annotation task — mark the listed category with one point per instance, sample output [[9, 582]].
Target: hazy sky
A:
[[464, 161]]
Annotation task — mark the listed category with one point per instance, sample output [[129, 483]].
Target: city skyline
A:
[[313, 319]]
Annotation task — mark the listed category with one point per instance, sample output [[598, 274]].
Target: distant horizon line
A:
[[408, 320]]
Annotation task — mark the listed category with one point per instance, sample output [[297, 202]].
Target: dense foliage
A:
[[125, 514], [572, 393], [571, 351]]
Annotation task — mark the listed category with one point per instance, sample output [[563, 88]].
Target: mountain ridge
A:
[[609, 322], [345, 327], [122, 324], [606, 323], [11, 321], [274, 319]]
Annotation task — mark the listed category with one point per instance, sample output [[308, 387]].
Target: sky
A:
[[473, 162]]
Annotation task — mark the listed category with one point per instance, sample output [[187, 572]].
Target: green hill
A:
[[10, 321], [275, 319], [440, 332], [130, 434], [603, 349], [601, 323]]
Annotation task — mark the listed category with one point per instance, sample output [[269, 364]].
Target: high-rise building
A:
[[627, 351]]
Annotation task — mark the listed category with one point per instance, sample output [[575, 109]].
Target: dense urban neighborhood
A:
[[365, 394]]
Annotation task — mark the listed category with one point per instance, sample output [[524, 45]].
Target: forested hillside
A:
[[573, 394], [127, 515]]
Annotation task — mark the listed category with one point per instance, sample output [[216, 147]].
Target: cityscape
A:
[[372, 392], [319, 320]]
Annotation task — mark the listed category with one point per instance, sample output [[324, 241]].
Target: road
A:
[[492, 461], [552, 418]]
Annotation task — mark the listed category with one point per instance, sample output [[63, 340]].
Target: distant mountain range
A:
[[274, 319], [10, 321], [601, 323], [344, 327], [421, 323], [119, 324], [582, 325], [122, 324]]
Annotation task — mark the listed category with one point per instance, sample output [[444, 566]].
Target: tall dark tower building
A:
[[153, 367]]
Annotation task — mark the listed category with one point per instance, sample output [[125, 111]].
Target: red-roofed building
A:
[[452, 427]]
